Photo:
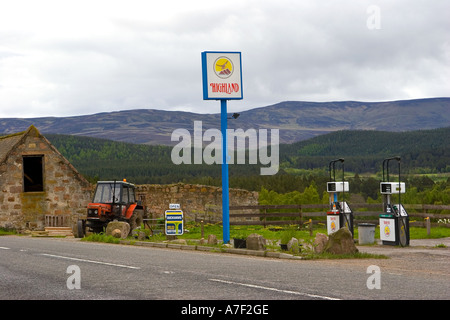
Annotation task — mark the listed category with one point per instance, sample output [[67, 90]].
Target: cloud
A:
[[82, 57]]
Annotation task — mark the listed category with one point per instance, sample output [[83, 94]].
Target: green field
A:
[[277, 232]]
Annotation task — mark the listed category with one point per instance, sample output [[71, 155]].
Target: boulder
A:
[[212, 239], [122, 226], [293, 245], [116, 233], [320, 242], [179, 241], [142, 236], [256, 242], [341, 242]]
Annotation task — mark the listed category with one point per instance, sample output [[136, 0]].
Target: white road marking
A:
[[5, 248], [274, 289], [90, 261]]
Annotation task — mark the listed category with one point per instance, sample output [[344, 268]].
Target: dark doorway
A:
[[33, 177]]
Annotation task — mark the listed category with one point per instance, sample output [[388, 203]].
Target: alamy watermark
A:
[[373, 22], [74, 280], [257, 147], [374, 280]]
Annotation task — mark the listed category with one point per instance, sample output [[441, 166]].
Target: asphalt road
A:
[[51, 269]]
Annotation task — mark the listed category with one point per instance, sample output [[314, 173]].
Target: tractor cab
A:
[[113, 200]]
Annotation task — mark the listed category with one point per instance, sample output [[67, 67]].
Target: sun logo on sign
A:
[[223, 67], [333, 226], [387, 231]]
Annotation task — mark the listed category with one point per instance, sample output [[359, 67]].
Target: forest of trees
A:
[[302, 164], [420, 190], [421, 151]]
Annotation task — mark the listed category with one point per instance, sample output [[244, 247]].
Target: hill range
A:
[[296, 120]]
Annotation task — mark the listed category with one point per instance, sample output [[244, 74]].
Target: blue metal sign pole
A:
[[225, 192], [222, 80]]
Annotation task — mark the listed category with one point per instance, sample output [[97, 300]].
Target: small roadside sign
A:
[[174, 222]]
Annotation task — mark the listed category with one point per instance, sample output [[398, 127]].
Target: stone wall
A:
[[65, 192], [196, 201]]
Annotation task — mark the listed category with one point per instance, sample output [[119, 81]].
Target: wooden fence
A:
[[300, 213], [51, 220]]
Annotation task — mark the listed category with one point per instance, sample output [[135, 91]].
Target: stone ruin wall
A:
[[196, 201], [64, 194]]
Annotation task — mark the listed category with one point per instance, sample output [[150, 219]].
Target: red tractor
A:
[[113, 201]]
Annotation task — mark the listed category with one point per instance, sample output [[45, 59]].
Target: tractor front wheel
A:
[[81, 228]]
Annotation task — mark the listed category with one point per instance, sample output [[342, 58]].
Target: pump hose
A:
[[402, 232], [348, 222]]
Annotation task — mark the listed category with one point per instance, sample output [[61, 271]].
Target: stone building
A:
[[38, 186]]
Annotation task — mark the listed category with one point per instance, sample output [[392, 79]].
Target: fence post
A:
[[265, 214], [300, 215], [203, 231]]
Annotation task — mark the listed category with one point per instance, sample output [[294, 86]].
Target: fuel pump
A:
[[340, 215], [394, 222]]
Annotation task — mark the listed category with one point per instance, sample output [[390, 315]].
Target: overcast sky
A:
[[65, 57]]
